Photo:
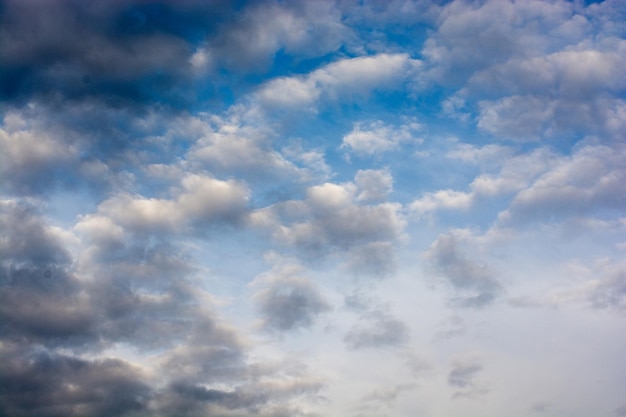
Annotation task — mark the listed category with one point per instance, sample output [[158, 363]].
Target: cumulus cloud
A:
[[201, 200], [31, 158], [474, 283], [41, 382], [376, 137], [42, 299], [119, 50], [330, 217], [589, 180], [515, 174], [343, 79]]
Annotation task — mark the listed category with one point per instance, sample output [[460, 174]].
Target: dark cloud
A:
[[119, 49], [474, 283], [43, 383], [41, 298], [131, 51]]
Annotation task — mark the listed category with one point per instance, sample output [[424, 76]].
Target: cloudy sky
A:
[[313, 208]]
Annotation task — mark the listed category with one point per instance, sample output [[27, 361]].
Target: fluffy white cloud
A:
[[347, 78], [377, 137], [201, 199]]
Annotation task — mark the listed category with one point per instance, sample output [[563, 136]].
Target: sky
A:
[[312, 208]]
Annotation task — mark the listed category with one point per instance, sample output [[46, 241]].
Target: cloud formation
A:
[[218, 208]]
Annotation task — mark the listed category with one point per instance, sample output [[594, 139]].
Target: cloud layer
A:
[[244, 208]]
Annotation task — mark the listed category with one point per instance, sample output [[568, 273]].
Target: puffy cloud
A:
[[347, 78], [377, 137], [474, 283], [474, 36], [298, 28], [591, 179], [515, 174], [241, 145], [31, 158], [530, 118], [42, 299], [40, 382], [330, 217], [202, 200], [570, 74], [288, 300]]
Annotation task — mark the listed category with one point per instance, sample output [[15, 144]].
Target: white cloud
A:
[[29, 156], [331, 218], [592, 178], [373, 184], [515, 174], [343, 79], [377, 137], [202, 199]]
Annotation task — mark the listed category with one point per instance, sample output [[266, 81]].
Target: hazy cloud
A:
[[475, 284], [377, 329], [463, 376], [287, 299]]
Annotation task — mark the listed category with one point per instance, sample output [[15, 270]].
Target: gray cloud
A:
[[377, 329], [42, 299], [134, 51], [541, 407], [475, 284], [40, 382], [462, 377], [330, 218], [610, 291], [288, 301], [591, 180]]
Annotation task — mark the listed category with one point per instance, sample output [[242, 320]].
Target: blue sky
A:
[[334, 209]]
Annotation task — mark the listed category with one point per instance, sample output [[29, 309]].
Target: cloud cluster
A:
[[331, 218]]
